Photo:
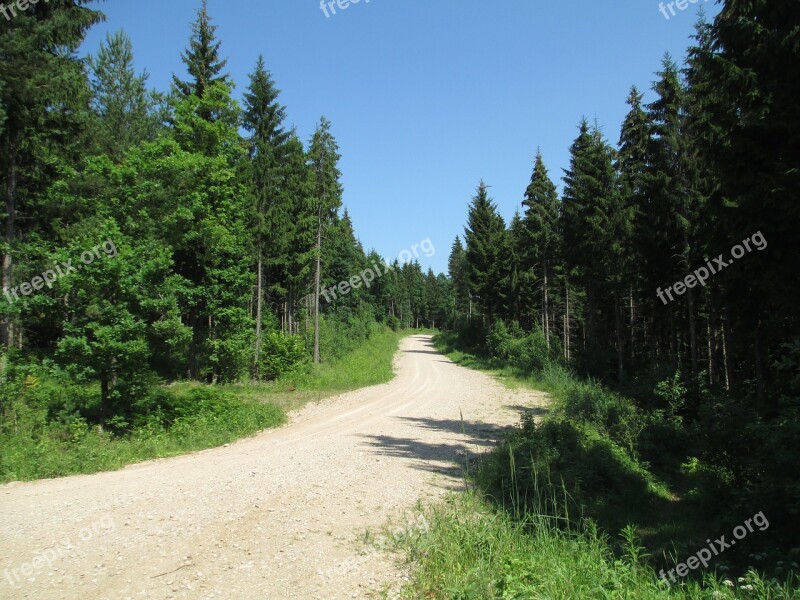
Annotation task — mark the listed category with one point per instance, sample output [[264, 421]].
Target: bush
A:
[[612, 414], [281, 354], [526, 352], [565, 470], [393, 323]]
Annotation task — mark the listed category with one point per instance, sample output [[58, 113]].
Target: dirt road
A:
[[275, 516]]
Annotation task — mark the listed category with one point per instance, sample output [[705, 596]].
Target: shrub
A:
[[590, 403], [393, 323], [281, 354]]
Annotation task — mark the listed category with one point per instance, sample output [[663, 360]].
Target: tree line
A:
[[709, 162], [227, 225], [707, 169]]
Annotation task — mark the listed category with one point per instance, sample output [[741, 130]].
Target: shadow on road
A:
[[465, 442]]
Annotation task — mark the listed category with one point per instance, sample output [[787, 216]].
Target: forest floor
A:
[[290, 513]]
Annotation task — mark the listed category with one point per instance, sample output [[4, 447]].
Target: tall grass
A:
[[471, 551]]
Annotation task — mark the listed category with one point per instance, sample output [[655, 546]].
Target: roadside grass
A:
[[552, 381], [174, 419], [471, 551], [369, 364], [203, 417], [564, 508]]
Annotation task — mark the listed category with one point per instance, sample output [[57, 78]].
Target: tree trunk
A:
[[191, 367], [709, 337], [620, 345], [259, 300], [6, 327], [566, 324], [317, 290], [693, 350], [726, 328], [104, 395], [546, 314], [759, 362], [632, 321]]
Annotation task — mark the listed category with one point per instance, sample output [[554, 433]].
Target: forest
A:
[[656, 297], [225, 229], [167, 254]]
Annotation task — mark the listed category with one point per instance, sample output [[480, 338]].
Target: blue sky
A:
[[428, 97]]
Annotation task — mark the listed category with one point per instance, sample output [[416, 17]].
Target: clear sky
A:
[[428, 97]]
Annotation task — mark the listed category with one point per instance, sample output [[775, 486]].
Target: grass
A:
[[187, 417], [471, 551], [369, 364], [552, 381], [564, 508], [40, 450]]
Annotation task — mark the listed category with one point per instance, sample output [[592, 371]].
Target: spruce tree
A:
[[43, 102], [521, 281], [485, 237], [202, 58], [457, 268], [595, 229], [323, 158], [672, 207], [297, 189], [631, 165], [263, 118], [120, 99], [541, 225], [747, 65]]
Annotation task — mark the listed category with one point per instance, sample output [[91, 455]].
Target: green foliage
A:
[[124, 108], [282, 355], [485, 253], [346, 331], [469, 551], [202, 58], [368, 363], [527, 352], [597, 458], [43, 432], [612, 414], [393, 323]]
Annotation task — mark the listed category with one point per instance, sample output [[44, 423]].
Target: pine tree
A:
[[202, 58], [541, 225], [574, 196], [323, 157], [123, 105], [672, 207], [595, 228], [263, 118], [521, 280], [298, 189], [43, 101], [632, 167], [748, 122], [486, 251], [458, 270]]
